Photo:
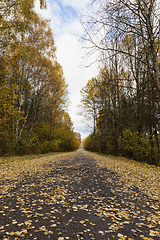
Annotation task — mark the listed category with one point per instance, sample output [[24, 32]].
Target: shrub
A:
[[138, 147], [22, 147], [54, 145]]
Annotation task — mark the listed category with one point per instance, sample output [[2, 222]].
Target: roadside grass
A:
[[16, 158], [135, 174], [21, 158], [128, 160], [17, 168]]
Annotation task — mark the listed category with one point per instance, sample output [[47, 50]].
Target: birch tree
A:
[[129, 31]]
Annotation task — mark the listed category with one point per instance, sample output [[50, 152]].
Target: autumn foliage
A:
[[126, 109], [120, 117], [118, 127], [33, 91]]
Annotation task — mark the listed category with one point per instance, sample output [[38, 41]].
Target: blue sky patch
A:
[[67, 12]]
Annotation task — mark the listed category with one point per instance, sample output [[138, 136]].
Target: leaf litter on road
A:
[[78, 196]]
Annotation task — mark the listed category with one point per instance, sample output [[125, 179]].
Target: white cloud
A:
[[70, 54], [53, 12], [78, 5]]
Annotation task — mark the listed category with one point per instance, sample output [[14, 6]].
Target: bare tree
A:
[[127, 34]]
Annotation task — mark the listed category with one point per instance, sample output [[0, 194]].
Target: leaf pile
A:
[[146, 177], [17, 168]]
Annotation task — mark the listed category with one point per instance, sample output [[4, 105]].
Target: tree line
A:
[[123, 101], [33, 91]]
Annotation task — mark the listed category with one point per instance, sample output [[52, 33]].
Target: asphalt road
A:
[[75, 198]]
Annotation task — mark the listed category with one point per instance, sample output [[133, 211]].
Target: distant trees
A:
[[33, 91], [89, 102], [127, 35]]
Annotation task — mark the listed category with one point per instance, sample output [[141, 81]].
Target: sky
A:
[[66, 27]]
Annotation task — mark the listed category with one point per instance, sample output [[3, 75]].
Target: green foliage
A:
[[7, 107], [97, 143], [127, 96], [132, 146], [7, 142], [138, 147], [90, 143], [35, 146], [126, 121], [107, 144], [41, 131], [55, 145]]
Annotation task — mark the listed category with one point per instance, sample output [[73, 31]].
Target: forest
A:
[[33, 91], [123, 102]]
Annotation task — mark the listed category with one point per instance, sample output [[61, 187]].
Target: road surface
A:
[[71, 197]]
